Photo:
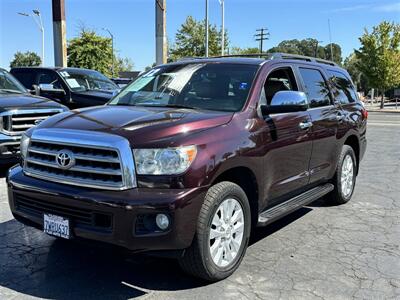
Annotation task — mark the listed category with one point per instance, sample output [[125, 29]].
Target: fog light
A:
[[162, 221]]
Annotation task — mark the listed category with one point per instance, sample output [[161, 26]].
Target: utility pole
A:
[[39, 23], [161, 32], [330, 38], [206, 28], [112, 50], [261, 36], [222, 2], [59, 33]]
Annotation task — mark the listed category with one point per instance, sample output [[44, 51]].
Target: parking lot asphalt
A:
[[319, 252]]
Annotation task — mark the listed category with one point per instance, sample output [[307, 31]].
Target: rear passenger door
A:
[[325, 117]]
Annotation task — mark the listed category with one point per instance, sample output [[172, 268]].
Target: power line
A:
[[261, 36]]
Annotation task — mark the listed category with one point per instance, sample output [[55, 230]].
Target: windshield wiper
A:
[[11, 91]]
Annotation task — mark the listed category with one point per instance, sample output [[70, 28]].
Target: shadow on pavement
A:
[[37, 265], [4, 169]]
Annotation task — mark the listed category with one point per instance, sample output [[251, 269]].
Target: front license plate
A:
[[56, 225]]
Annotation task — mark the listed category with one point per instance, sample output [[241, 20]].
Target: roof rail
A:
[[276, 55], [302, 57]]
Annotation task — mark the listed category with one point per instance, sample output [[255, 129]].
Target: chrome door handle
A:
[[339, 117], [305, 125]]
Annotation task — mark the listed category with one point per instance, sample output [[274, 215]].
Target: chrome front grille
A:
[[101, 161], [21, 121], [18, 121]]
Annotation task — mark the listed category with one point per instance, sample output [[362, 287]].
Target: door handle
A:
[[305, 125], [339, 117]]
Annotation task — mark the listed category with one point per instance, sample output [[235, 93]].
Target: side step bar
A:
[[284, 208]]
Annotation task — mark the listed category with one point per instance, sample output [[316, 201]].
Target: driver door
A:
[[288, 144]]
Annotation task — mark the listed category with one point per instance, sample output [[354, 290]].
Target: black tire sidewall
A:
[[234, 192], [347, 151]]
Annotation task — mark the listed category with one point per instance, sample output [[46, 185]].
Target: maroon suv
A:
[[193, 154]]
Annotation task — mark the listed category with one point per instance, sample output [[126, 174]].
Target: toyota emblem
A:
[[65, 159]]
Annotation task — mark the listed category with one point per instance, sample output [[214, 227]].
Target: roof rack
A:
[[279, 55]]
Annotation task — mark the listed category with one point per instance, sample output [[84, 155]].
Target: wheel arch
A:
[[247, 180], [354, 143]]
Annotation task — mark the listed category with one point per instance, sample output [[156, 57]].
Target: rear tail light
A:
[[364, 113]]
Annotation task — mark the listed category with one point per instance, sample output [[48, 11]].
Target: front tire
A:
[[222, 234], [344, 179]]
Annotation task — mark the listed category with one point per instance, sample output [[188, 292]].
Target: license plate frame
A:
[[57, 226]]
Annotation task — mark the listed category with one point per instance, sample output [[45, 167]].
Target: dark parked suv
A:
[[19, 111], [193, 154], [72, 87]]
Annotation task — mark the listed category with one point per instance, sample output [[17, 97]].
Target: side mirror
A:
[[286, 101], [49, 89]]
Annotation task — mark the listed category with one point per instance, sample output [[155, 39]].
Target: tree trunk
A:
[[382, 100]]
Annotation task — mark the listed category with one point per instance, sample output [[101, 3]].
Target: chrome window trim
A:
[[25, 111], [96, 140]]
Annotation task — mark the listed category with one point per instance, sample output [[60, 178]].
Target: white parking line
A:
[[383, 124]]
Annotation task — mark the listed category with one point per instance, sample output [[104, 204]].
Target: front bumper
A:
[[9, 147], [29, 198]]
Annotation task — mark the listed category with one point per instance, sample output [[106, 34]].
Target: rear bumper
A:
[[29, 198]]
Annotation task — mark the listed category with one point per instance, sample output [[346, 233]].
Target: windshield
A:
[[8, 84], [87, 80], [212, 86]]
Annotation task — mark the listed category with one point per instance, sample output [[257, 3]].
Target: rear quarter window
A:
[[343, 89]]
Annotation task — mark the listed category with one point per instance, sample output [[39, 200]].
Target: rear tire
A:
[[344, 179], [220, 242]]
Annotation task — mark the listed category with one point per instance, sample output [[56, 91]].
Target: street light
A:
[[222, 3], [39, 23], [112, 49]]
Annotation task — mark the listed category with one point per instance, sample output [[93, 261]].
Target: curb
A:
[[393, 111]]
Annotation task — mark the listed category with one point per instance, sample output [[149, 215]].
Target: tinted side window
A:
[[316, 87], [344, 91], [49, 78], [26, 78]]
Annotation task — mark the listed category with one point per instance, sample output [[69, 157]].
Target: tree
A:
[[379, 56], [309, 47], [351, 65], [27, 59], [241, 51], [190, 40], [337, 53], [90, 51], [123, 64]]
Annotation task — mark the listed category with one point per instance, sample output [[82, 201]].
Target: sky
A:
[[132, 23]]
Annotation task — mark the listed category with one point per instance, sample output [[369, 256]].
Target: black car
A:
[[19, 111], [72, 87]]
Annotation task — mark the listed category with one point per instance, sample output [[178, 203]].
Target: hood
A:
[[25, 101], [140, 125]]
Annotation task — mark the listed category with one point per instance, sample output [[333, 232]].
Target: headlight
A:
[[24, 145], [168, 161]]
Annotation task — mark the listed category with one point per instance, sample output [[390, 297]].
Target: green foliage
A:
[[26, 59], [92, 51], [190, 40], [308, 47], [351, 65], [379, 56], [241, 51], [123, 64]]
